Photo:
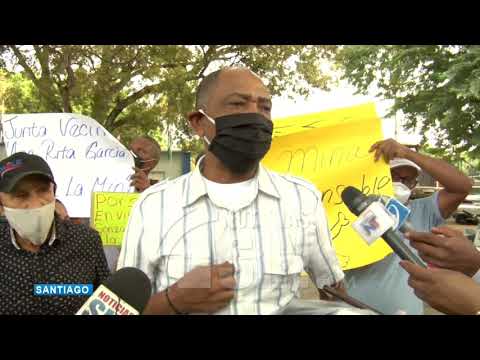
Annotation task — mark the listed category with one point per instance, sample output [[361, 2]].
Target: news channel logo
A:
[[399, 212], [63, 289]]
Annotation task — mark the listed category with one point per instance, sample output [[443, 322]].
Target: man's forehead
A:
[[144, 143], [240, 81], [31, 181], [139, 141]]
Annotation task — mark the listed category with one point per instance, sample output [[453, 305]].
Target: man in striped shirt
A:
[[231, 237]]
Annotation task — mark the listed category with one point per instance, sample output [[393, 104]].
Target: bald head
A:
[[210, 82], [230, 91], [148, 150], [225, 92]]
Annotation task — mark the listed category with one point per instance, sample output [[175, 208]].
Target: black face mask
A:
[[139, 162], [241, 140]]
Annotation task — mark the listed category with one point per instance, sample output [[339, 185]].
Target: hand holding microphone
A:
[[446, 248], [447, 291]]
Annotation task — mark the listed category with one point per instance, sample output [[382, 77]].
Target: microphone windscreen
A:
[[132, 286], [353, 198]]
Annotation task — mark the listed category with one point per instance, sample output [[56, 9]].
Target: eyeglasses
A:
[[411, 183]]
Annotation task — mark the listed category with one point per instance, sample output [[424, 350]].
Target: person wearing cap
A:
[[384, 284], [37, 247]]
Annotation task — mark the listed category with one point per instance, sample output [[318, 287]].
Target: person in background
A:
[[383, 285], [37, 247], [146, 152]]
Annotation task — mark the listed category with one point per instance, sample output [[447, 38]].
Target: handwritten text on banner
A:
[[110, 213], [331, 149], [83, 156]]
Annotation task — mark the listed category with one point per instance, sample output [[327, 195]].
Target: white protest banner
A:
[[83, 156]]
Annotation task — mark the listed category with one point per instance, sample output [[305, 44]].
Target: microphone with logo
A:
[[126, 292], [375, 221], [397, 210]]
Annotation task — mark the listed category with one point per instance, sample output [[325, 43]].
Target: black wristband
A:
[[177, 312]]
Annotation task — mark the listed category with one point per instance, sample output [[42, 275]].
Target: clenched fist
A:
[[205, 289]]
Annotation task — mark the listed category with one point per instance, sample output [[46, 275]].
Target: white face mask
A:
[[401, 192], [32, 224]]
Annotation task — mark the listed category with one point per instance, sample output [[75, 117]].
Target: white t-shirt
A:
[[232, 196]]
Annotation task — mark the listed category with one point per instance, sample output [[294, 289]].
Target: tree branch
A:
[[67, 89], [42, 57], [122, 104], [23, 62], [118, 123], [42, 83]]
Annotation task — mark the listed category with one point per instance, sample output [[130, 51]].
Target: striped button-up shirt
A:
[[174, 227]]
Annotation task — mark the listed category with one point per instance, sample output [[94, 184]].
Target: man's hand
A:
[[205, 289], [140, 180], [390, 149], [340, 287], [446, 248], [448, 291]]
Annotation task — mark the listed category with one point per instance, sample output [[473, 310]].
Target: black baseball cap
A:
[[19, 165]]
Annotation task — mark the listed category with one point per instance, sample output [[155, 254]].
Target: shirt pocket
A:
[[283, 265], [281, 277]]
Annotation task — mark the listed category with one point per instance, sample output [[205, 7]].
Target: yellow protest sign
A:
[[110, 213], [330, 149]]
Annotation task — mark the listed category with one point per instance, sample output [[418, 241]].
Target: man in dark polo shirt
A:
[[37, 247]]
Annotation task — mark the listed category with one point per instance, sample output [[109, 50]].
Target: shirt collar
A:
[[265, 182], [53, 237], [195, 186]]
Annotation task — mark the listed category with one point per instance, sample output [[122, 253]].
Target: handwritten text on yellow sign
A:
[[110, 213], [331, 149]]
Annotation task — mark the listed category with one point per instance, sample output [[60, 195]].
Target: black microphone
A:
[[357, 202], [126, 292]]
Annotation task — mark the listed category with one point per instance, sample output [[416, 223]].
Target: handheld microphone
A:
[[126, 292], [357, 203]]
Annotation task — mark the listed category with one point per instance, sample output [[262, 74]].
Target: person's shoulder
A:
[[70, 228], [293, 188], [3, 222], [158, 186], [166, 185], [430, 199], [4, 231]]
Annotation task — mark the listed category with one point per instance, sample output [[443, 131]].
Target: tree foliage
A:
[[140, 89], [434, 86]]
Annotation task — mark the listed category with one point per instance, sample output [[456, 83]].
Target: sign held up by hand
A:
[[110, 213], [84, 157], [331, 149]]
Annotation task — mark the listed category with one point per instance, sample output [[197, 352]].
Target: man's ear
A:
[[195, 118]]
